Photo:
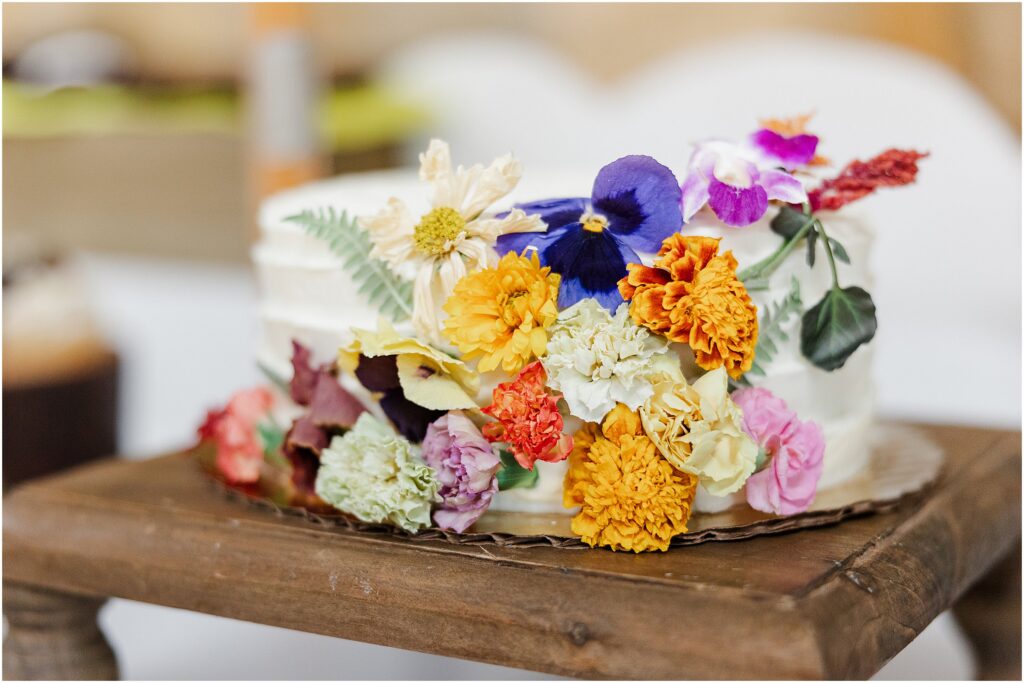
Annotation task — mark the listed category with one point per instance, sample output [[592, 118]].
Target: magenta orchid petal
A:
[[779, 150], [737, 206], [737, 182], [782, 186], [695, 194]]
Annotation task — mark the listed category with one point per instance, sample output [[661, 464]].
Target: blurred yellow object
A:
[[367, 116], [30, 112], [350, 118]]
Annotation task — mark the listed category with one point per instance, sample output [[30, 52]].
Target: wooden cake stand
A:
[[830, 602]]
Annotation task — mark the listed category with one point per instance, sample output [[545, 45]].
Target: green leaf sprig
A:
[[845, 318], [373, 278], [770, 332]]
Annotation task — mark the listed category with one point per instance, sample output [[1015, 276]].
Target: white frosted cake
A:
[[595, 354], [307, 296]]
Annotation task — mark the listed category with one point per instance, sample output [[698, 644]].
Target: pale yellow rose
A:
[[699, 430]]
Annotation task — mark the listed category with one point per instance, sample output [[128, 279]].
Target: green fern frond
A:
[[374, 281], [770, 333]]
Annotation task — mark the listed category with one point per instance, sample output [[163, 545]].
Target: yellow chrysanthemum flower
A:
[[630, 497], [501, 314]]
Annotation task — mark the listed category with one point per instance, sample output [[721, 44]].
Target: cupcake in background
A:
[[59, 375]]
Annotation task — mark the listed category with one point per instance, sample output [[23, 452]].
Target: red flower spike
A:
[[891, 168]]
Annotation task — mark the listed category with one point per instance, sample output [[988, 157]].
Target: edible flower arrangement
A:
[[595, 330]]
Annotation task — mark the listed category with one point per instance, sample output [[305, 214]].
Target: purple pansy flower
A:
[[466, 467], [633, 207], [735, 183], [789, 152], [380, 374]]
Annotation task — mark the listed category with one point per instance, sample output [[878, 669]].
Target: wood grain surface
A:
[[832, 602]]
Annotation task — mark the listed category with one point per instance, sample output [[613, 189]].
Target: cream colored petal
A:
[[714, 392], [454, 193], [516, 221], [448, 187], [431, 389], [493, 183], [476, 254], [391, 231], [436, 162], [451, 270], [424, 312]]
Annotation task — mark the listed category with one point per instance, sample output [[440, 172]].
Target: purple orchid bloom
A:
[[633, 207], [789, 152], [729, 179]]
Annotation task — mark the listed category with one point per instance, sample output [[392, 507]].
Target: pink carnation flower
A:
[[796, 450], [466, 467], [233, 431]]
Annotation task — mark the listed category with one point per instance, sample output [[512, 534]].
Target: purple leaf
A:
[[304, 376], [331, 406]]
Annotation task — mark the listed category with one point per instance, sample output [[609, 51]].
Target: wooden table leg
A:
[[989, 614], [54, 635]]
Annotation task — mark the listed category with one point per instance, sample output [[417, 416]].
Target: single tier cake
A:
[[628, 346]]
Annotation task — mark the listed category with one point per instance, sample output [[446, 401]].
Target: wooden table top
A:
[[836, 601]]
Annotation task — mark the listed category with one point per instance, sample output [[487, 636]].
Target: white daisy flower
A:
[[452, 239]]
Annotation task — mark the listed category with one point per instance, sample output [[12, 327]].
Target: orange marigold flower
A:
[[501, 314], [528, 419], [692, 296], [630, 497]]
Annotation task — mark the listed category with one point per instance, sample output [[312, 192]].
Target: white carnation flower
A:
[[377, 475], [598, 360]]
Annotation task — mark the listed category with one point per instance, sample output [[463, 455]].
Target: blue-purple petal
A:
[[555, 212], [737, 206], [591, 265], [640, 198], [518, 241]]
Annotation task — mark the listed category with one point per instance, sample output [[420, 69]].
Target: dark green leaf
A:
[[788, 222], [838, 324], [512, 475], [839, 251], [812, 243]]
